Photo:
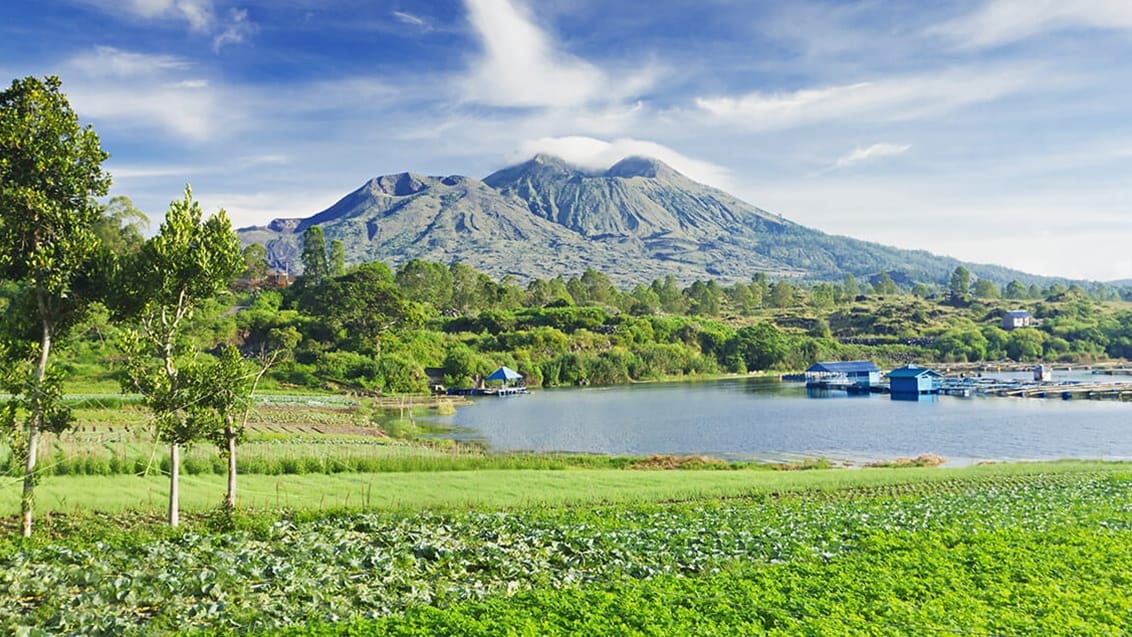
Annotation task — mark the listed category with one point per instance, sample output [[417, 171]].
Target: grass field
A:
[[486, 489]]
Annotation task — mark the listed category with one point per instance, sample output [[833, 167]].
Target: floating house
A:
[[502, 382], [911, 380], [506, 375], [1017, 318], [1043, 373], [848, 375]]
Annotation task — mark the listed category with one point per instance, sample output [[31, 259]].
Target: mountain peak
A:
[[637, 166], [398, 185]]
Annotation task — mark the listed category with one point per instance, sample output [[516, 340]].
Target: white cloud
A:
[[409, 18], [131, 89], [597, 154], [887, 99], [235, 30], [1004, 21], [874, 152], [106, 61], [198, 15], [521, 65]]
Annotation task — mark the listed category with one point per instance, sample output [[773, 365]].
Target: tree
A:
[[316, 267], [426, 282], [885, 285], [761, 346], [960, 285], [337, 258], [255, 265], [782, 294], [121, 226], [190, 261], [1016, 290], [851, 287], [986, 289], [50, 171], [227, 387], [671, 299], [363, 304]]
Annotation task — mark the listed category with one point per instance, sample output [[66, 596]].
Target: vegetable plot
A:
[[919, 553]]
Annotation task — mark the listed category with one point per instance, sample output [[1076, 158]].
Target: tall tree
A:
[[960, 285], [121, 226], [316, 267], [50, 171], [188, 262], [337, 258]]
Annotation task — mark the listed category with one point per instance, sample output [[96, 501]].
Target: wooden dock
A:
[[486, 391], [1066, 390]]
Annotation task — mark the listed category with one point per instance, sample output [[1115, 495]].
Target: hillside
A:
[[637, 221]]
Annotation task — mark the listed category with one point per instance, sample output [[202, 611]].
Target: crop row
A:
[[369, 566]]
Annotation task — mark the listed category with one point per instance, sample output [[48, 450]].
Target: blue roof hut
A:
[[506, 375], [911, 380], [843, 374]]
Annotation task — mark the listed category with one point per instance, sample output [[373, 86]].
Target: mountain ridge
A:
[[635, 221]]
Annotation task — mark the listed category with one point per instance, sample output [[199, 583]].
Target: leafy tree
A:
[[121, 226], [851, 288], [782, 294], [645, 301], [1016, 290], [426, 282], [960, 285], [316, 267], [337, 258], [986, 289], [227, 389], [885, 285], [705, 298], [255, 264], [761, 346], [822, 296], [671, 298], [363, 304], [50, 170], [189, 262]]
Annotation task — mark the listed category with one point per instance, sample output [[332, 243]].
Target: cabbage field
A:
[[1004, 554]]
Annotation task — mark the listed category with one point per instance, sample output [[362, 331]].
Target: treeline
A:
[[376, 329]]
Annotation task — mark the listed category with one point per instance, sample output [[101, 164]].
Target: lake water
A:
[[768, 420]]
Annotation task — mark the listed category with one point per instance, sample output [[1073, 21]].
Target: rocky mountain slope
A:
[[636, 221]]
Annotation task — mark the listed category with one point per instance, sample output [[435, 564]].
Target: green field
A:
[[492, 488], [1012, 549]]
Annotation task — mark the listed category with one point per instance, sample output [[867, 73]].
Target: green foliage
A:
[[50, 172], [316, 266], [361, 305], [1025, 554]]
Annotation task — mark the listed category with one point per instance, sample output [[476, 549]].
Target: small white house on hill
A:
[[1017, 318]]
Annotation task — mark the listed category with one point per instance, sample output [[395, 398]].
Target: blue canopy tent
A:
[[506, 375]]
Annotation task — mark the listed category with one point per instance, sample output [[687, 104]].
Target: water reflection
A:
[[756, 418]]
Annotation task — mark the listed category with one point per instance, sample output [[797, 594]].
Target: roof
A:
[[843, 367], [1018, 314], [504, 373], [911, 371]]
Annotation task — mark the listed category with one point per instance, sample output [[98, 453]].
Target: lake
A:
[[749, 418]]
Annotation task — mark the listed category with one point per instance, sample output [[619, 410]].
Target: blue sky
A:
[[989, 130]]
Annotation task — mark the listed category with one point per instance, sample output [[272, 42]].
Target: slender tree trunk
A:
[[230, 501], [28, 498], [174, 484]]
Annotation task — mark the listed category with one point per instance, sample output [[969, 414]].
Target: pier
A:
[[954, 386], [486, 391]]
